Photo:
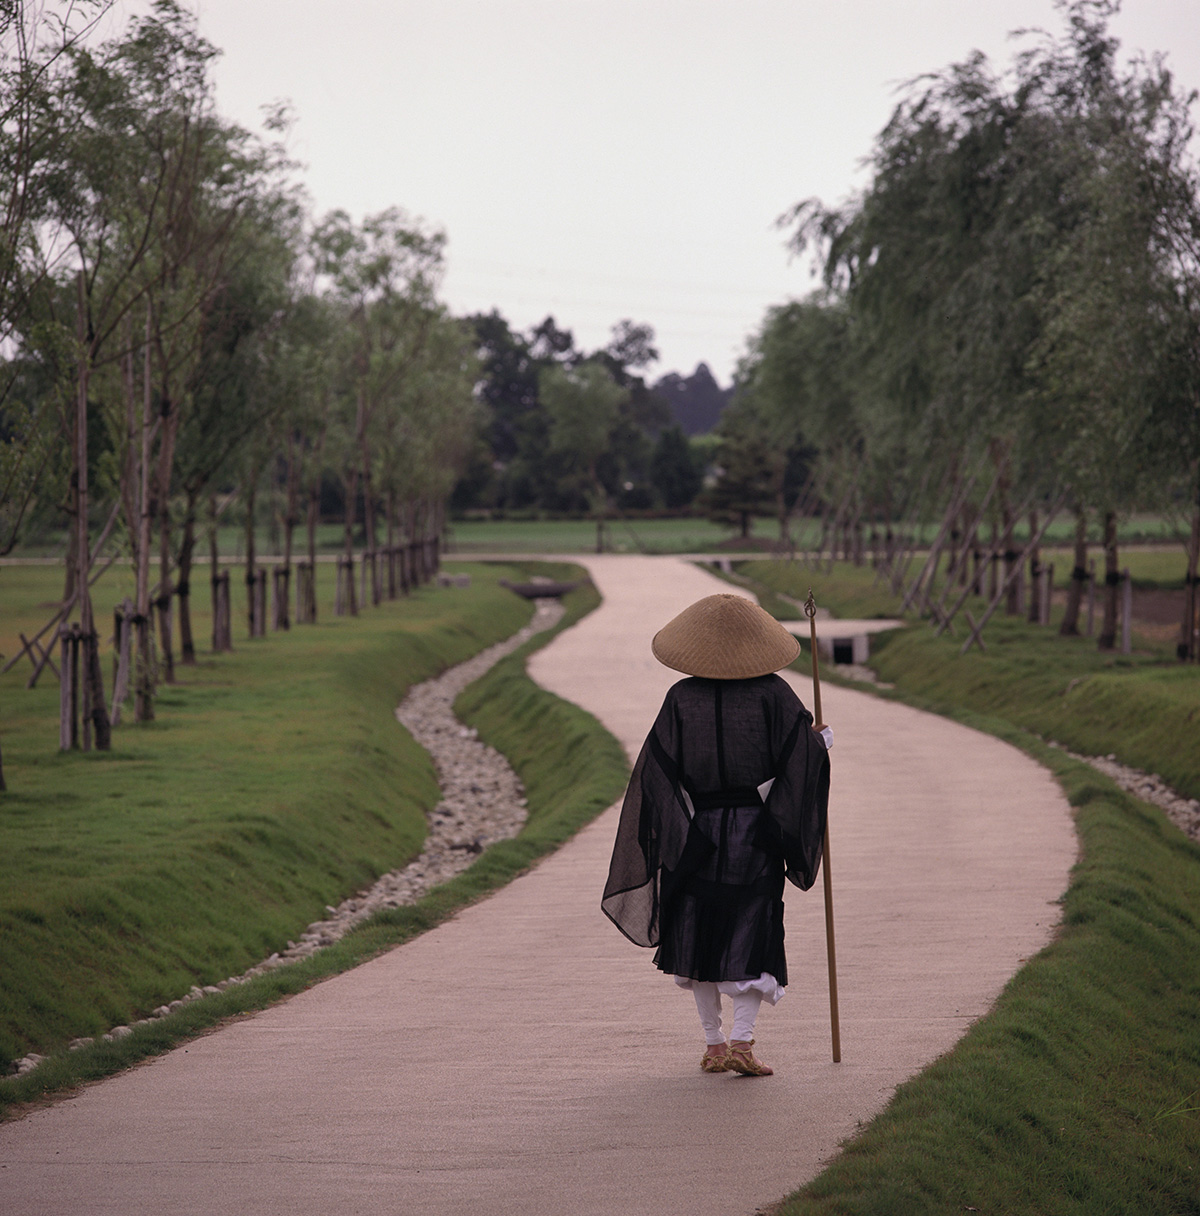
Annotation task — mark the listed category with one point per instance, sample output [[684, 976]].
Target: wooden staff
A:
[[810, 610]]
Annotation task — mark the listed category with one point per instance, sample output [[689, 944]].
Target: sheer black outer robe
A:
[[706, 887]]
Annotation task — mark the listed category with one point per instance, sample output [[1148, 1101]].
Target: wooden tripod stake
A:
[[810, 610]]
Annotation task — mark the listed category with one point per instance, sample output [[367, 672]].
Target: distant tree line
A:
[[567, 431], [1009, 324]]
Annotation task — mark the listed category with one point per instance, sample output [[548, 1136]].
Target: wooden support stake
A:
[[976, 634], [32, 647], [810, 610], [1091, 598], [976, 637], [1126, 612]]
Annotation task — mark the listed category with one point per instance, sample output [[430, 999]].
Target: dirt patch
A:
[[1158, 607], [1157, 614]]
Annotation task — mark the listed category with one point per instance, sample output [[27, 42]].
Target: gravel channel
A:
[[1183, 812]]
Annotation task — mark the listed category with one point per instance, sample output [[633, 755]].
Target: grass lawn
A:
[[634, 534], [1080, 1092], [579, 535]]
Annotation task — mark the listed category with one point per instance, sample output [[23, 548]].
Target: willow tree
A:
[[1119, 413], [1010, 220]]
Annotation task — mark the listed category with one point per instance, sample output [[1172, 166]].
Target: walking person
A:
[[728, 796]]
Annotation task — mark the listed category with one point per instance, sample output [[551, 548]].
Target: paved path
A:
[[524, 1058]]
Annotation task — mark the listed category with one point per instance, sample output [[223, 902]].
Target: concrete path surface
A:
[[525, 1058]]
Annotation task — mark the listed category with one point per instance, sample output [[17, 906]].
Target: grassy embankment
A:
[[1080, 1091], [274, 781]]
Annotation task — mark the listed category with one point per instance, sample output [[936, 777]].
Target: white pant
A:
[[745, 1012]]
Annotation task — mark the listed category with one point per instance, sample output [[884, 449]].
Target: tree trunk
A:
[[390, 520], [1189, 643], [314, 511], [291, 517], [442, 537], [97, 722], [163, 601], [405, 529], [1112, 584], [187, 549], [369, 557], [284, 578], [80, 476], [71, 572], [251, 556], [144, 680], [351, 483], [68, 694], [993, 559], [214, 576], [1035, 574], [1079, 577], [1012, 604]]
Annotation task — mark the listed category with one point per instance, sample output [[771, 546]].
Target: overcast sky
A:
[[601, 159]]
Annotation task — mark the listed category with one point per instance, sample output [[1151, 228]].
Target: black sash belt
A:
[[715, 800]]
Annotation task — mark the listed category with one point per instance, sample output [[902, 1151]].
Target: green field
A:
[[515, 535]]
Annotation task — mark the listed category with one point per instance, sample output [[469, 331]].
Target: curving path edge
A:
[[524, 1058]]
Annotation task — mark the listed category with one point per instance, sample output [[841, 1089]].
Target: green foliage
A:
[[565, 431], [1010, 219], [582, 403], [675, 470], [749, 468], [801, 372]]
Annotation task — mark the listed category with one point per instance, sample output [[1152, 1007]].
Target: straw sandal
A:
[[739, 1058], [711, 1061]]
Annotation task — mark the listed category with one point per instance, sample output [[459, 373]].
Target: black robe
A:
[[699, 860]]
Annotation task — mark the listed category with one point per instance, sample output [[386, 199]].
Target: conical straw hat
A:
[[724, 637]]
